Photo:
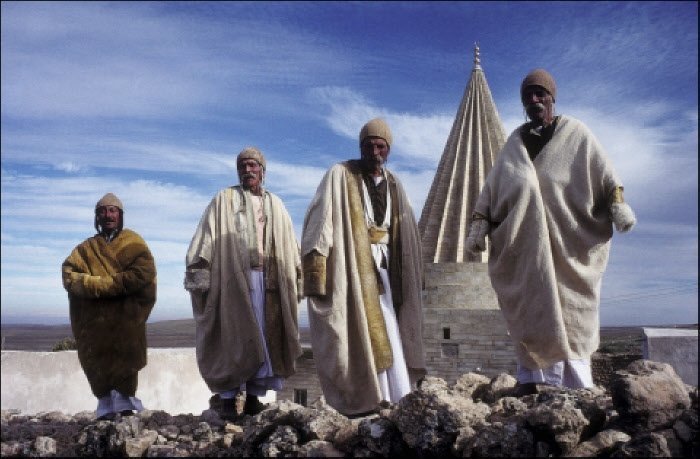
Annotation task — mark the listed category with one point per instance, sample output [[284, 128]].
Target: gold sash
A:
[[381, 348]]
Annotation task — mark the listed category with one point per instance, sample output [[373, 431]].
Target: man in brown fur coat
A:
[[111, 284]]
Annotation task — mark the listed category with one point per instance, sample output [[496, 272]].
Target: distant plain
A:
[[181, 333], [167, 333]]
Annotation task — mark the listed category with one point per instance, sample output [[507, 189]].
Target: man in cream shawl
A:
[[243, 270], [548, 205], [363, 278]]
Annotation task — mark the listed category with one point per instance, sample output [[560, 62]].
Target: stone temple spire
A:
[[477, 57], [476, 137]]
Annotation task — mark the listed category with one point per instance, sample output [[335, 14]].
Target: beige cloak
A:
[[550, 238], [343, 321], [111, 290], [228, 338]]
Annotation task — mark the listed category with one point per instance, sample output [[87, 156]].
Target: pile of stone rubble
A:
[[648, 412]]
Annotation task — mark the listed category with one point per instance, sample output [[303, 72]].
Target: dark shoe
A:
[[521, 390], [107, 417], [227, 409], [253, 405], [215, 402], [127, 413], [364, 414]]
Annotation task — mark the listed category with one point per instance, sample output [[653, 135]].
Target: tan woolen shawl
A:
[[228, 340], [109, 309], [550, 250], [339, 325]]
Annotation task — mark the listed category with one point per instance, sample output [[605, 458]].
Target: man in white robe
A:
[[548, 206], [243, 272], [363, 279]]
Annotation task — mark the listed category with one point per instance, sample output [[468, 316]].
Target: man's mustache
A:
[[537, 106]]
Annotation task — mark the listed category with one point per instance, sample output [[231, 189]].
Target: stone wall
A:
[[464, 330], [303, 387]]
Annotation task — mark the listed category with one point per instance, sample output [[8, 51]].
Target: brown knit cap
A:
[[251, 153], [376, 127], [109, 200], [539, 77]]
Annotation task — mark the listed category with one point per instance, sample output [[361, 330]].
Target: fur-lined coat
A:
[[111, 290], [550, 239], [348, 334]]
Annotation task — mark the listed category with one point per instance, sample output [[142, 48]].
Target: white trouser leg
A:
[[574, 374], [104, 406], [394, 382], [122, 402]]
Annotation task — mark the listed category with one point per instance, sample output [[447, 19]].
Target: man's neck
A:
[[109, 235], [255, 191], [373, 171]]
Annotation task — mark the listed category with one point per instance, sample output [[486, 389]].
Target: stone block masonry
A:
[[303, 387], [463, 328]]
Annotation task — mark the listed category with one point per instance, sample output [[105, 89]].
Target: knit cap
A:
[[109, 200], [539, 77], [251, 153], [376, 127]]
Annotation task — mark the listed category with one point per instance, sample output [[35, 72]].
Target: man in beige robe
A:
[[363, 278], [548, 206], [242, 271], [111, 284]]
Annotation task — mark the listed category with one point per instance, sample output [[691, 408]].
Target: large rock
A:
[[650, 395], [600, 444], [430, 418], [509, 439], [648, 444], [499, 386], [436, 420], [468, 383], [558, 421]]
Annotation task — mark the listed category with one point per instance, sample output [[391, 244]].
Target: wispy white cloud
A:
[[416, 137], [152, 101], [87, 60]]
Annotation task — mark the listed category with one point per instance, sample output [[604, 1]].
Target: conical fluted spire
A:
[[476, 137]]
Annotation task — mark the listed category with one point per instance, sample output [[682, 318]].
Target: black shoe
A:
[[521, 390], [127, 413], [107, 417], [253, 405], [227, 409], [363, 414], [215, 402]]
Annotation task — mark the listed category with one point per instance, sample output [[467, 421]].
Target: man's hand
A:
[[622, 216], [476, 240]]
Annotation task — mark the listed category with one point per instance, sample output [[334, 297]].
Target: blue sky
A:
[[152, 101]]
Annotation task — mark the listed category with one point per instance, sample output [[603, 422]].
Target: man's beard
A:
[[537, 107], [243, 179], [372, 161]]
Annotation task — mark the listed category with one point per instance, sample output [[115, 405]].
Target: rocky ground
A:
[[647, 411]]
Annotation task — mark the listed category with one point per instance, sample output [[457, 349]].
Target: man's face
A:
[[250, 173], [375, 152], [108, 218], [538, 104]]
